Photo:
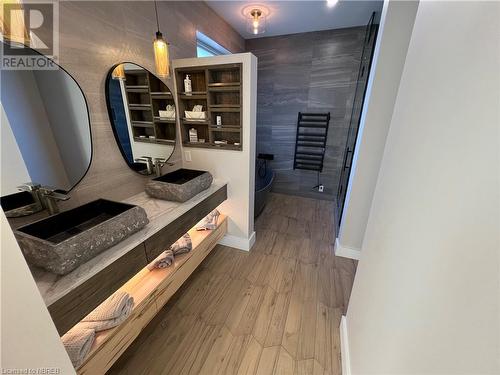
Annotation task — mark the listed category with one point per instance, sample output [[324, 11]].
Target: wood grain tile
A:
[[268, 359], [273, 310]]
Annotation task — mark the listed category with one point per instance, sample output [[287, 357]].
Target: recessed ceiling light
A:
[[331, 3]]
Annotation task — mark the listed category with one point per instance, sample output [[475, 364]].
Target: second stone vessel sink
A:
[[62, 242], [180, 185]]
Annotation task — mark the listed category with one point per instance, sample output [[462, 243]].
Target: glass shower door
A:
[[359, 97]]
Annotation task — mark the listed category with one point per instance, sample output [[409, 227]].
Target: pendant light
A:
[[256, 22], [118, 72], [12, 23], [160, 47]]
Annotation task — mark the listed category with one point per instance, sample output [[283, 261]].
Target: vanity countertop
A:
[[160, 213]]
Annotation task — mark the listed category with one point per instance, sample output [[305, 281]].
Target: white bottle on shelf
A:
[[187, 85], [193, 135]]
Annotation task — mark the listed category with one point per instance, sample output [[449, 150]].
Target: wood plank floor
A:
[[274, 310]]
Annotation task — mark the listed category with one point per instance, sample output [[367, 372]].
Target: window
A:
[[208, 47]]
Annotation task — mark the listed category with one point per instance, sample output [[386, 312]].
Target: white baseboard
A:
[[344, 347], [346, 252], [240, 243]]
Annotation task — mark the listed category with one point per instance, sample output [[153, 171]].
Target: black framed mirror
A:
[[142, 112], [45, 128]]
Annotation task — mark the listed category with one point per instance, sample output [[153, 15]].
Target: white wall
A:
[[237, 167], [26, 114], [389, 57], [12, 163], [426, 293], [29, 339], [67, 114]]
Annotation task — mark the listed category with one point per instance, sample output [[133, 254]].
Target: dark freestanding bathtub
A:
[[264, 177]]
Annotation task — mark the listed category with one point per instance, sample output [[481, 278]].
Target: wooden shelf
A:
[[146, 96], [161, 93], [199, 144], [228, 146], [145, 140], [225, 129], [194, 122], [218, 89], [230, 126], [164, 120], [151, 290], [141, 108], [140, 105], [155, 140], [224, 108], [229, 86], [142, 124], [193, 97], [137, 88]]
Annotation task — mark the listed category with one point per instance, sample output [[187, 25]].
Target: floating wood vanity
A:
[[71, 297], [151, 291]]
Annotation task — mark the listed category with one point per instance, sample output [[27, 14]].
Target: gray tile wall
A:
[[95, 35], [308, 72]]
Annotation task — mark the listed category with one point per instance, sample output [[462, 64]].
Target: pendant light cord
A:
[[156, 12]]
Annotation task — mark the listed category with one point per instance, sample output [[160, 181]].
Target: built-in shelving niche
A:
[[146, 95], [218, 89]]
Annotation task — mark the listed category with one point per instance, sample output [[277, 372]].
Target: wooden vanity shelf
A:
[[218, 89], [151, 291], [146, 97]]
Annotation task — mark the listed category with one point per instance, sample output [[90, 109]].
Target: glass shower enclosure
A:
[[359, 98]]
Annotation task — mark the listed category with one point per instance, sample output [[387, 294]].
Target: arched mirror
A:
[[142, 113], [45, 129]]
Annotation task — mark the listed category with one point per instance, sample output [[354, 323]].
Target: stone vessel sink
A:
[[20, 204], [180, 185], [62, 242]]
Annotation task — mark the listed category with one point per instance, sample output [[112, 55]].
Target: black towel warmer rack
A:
[[310, 142]]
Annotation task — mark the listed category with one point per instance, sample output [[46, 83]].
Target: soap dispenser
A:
[[187, 85]]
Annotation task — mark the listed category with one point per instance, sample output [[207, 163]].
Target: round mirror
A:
[[45, 129], [142, 113]]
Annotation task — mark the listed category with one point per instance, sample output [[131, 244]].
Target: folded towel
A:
[[165, 259], [110, 313], [78, 342], [182, 245], [209, 222]]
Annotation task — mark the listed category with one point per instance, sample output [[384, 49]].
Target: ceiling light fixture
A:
[[331, 3], [160, 47], [256, 22]]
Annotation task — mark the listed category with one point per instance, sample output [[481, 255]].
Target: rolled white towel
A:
[[164, 260], [182, 245], [110, 313], [77, 342], [209, 222]]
